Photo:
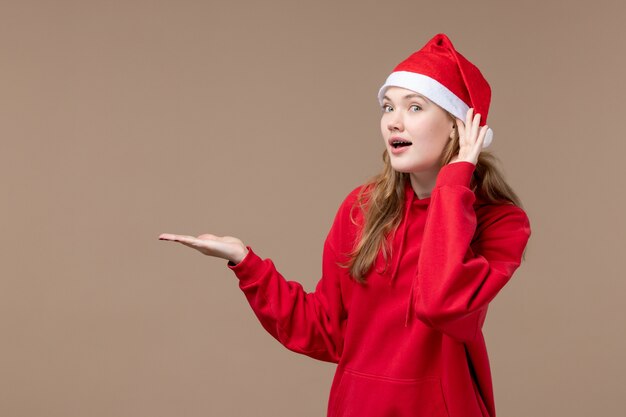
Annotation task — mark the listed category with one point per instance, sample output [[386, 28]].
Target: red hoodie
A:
[[409, 342]]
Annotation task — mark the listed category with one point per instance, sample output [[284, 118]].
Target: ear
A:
[[453, 125], [453, 131]]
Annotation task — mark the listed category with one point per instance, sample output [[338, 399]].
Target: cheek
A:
[[383, 127], [435, 133], [444, 127]]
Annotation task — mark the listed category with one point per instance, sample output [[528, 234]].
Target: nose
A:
[[394, 121]]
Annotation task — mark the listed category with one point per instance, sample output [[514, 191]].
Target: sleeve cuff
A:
[[456, 173], [248, 268]]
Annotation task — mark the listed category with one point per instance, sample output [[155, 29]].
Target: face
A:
[[411, 117]]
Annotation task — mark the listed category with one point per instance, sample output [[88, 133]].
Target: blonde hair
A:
[[381, 200]]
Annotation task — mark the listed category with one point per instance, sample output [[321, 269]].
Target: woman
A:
[[412, 260]]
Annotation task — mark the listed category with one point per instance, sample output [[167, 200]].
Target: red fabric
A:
[[439, 60], [457, 254]]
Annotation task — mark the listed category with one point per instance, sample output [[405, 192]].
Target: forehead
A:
[[400, 93]]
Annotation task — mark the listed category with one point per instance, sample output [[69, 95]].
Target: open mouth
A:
[[400, 144]]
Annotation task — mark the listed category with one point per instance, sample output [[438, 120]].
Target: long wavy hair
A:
[[382, 202]]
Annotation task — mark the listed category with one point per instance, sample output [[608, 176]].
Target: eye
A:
[[385, 107], [415, 105]]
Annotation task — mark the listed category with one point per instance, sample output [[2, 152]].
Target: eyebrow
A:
[[408, 96]]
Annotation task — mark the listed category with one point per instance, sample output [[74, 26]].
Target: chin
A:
[[413, 166], [408, 166]]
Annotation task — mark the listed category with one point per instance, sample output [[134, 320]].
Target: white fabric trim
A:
[[434, 90]]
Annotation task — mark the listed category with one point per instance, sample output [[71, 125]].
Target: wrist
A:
[[241, 254]]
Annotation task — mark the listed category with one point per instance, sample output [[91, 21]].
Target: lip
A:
[[390, 141], [398, 151]]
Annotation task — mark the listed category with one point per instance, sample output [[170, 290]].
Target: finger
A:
[[194, 245], [176, 238], [481, 136], [468, 126], [167, 236], [189, 240], [475, 126], [461, 127], [468, 118], [207, 236]]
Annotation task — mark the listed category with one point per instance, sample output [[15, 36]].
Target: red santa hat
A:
[[447, 78]]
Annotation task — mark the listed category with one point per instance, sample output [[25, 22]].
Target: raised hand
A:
[[226, 247], [470, 138]]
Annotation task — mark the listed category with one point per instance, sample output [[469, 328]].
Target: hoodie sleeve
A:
[[458, 273], [310, 323]]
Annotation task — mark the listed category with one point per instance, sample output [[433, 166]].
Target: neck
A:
[[423, 182]]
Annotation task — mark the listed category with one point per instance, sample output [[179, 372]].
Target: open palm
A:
[[226, 247]]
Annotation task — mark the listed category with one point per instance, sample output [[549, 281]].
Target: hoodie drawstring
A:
[[409, 308], [403, 238], [409, 196]]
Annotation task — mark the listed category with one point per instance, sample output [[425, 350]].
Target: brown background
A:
[[123, 120]]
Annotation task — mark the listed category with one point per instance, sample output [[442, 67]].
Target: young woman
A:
[[413, 257]]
